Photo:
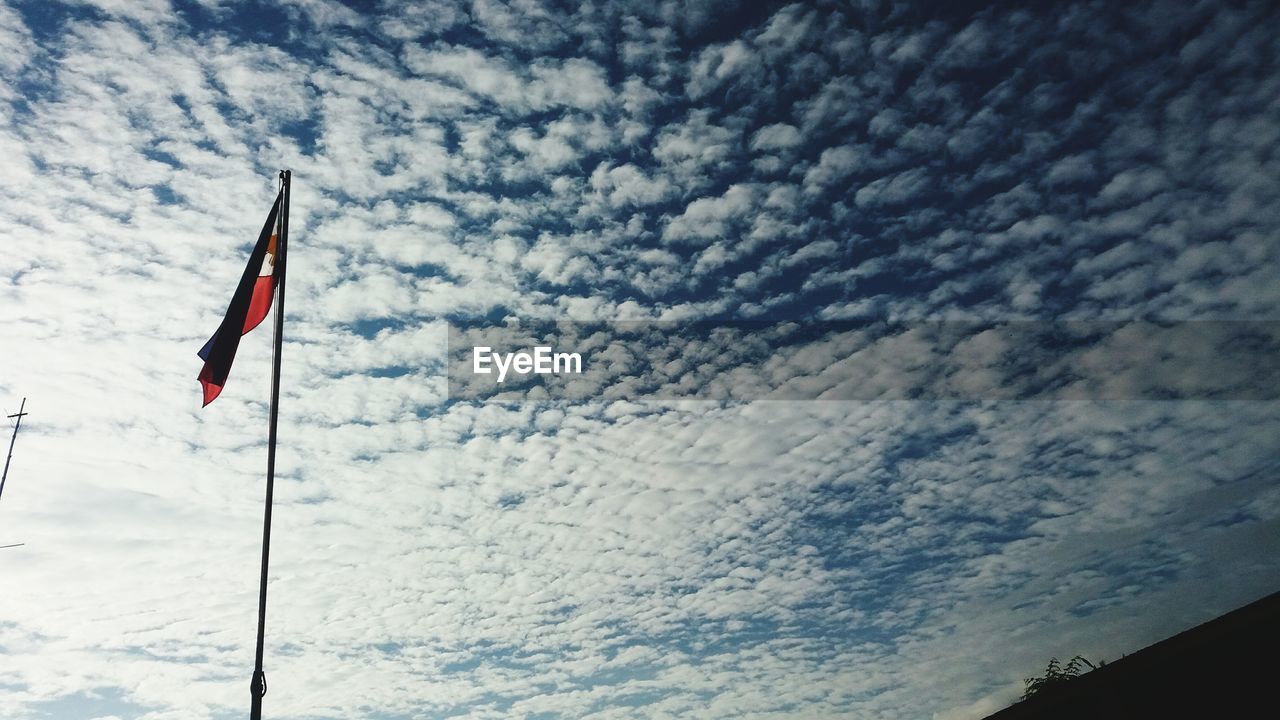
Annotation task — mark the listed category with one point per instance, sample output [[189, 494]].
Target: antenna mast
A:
[[19, 415]]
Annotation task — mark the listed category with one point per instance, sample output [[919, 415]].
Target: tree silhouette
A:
[[1057, 673]]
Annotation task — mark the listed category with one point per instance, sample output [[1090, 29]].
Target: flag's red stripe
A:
[[263, 288], [211, 390]]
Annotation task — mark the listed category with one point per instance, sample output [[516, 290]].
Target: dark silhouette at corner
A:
[[1222, 668]]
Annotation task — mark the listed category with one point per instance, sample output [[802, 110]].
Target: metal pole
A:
[[18, 424], [258, 686]]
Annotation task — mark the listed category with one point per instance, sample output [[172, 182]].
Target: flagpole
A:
[[20, 414], [258, 686]]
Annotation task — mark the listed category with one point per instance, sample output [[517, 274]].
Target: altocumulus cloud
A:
[[640, 161]]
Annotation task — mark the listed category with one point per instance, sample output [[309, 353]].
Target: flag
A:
[[249, 306]]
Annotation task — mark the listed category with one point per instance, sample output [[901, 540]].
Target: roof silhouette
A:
[[1221, 668]]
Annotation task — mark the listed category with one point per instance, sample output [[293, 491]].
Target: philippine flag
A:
[[249, 306]]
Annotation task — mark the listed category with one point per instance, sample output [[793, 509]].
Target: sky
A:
[[865, 501]]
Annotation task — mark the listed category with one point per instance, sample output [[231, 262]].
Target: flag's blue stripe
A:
[[204, 351]]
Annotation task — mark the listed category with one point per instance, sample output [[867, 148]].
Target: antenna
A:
[[5, 476], [19, 415]]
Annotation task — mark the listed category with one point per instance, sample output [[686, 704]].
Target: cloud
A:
[[575, 82], [892, 190], [778, 136], [715, 65], [16, 47], [709, 217], [628, 185], [694, 150], [834, 164]]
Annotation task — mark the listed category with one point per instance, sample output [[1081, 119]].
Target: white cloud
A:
[[629, 185], [778, 136], [715, 65], [893, 190], [574, 82], [710, 217], [834, 164], [693, 150]]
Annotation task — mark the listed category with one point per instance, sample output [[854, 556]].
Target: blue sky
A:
[[870, 556]]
